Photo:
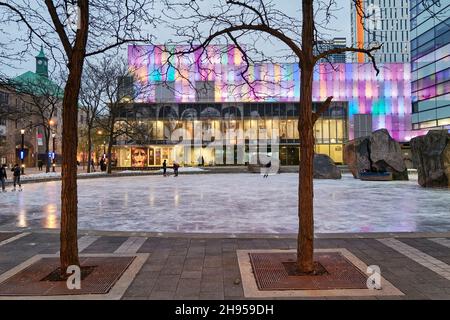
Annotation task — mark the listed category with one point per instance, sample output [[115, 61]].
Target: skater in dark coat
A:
[[164, 168], [16, 174], [267, 168], [175, 169], [3, 177]]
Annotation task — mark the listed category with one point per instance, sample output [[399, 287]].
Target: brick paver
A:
[[187, 267]]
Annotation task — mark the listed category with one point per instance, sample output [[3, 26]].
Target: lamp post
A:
[[50, 157], [22, 151], [54, 154]]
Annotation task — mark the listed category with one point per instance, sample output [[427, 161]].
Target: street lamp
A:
[[54, 154], [22, 151]]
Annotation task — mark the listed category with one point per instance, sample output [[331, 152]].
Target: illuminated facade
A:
[[211, 93]]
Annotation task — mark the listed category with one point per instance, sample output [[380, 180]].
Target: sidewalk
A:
[[206, 266]]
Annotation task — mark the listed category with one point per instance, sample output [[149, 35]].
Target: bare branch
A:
[[322, 109]]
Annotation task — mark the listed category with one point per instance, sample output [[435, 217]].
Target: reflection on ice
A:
[[231, 203]]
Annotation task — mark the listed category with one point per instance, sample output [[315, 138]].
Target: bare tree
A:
[[118, 88], [75, 30], [91, 104], [258, 22]]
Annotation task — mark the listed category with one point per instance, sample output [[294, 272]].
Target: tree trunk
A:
[[69, 218], [89, 150], [305, 248], [110, 142], [305, 241], [109, 171]]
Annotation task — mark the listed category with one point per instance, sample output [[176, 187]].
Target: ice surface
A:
[[230, 203]]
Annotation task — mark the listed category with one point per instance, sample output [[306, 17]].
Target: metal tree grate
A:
[[31, 281], [270, 270]]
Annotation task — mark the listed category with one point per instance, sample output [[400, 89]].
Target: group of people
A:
[[102, 164], [175, 168], [16, 177]]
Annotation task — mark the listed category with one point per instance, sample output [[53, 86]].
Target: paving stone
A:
[[211, 295], [162, 295], [191, 275], [166, 283], [105, 245], [193, 264]]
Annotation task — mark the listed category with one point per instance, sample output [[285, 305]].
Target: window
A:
[[165, 91], [4, 97], [205, 90], [363, 125], [126, 87]]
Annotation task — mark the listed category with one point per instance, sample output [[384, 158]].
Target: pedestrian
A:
[[93, 165], [267, 169], [175, 168], [164, 168], [102, 164], [3, 177], [16, 177], [40, 164]]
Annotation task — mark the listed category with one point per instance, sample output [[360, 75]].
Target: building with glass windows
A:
[[430, 63], [386, 22], [335, 43], [194, 93]]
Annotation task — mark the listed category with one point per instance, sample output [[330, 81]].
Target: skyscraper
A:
[[387, 23], [430, 63], [324, 45]]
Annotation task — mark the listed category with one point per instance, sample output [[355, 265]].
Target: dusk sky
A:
[[341, 28]]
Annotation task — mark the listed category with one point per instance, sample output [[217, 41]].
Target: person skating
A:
[[175, 168], [267, 169], [16, 177], [3, 177], [164, 168]]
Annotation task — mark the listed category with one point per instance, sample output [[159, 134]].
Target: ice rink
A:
[[230, 203]]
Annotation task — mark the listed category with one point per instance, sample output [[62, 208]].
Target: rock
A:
[[356, 155], [386, 155], [431, 157], [324, 168], [377, 152]]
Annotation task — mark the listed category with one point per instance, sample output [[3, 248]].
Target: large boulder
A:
[[386, 155], [356, 155], [431, 157], [377, 152], [325, 168]]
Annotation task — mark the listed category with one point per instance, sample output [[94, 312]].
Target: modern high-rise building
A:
[[387, 23], [430, 63], [324, 45]]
